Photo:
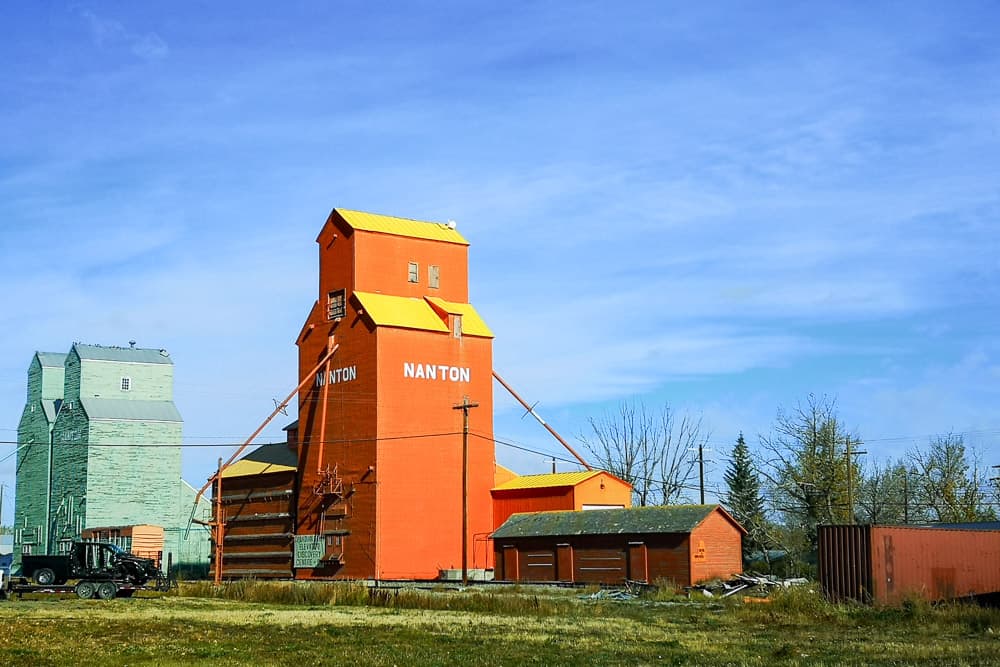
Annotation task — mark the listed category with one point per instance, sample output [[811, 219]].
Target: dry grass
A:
[[344, 622]]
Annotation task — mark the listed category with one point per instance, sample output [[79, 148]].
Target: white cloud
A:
[[111, 34]]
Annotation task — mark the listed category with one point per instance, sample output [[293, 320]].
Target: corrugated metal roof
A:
[[547, 480], [400, 311], [125, 410], [136, 355], [637, 520], [386, 224], [51, 359], [472, 323], [244, 468], [974, 525]]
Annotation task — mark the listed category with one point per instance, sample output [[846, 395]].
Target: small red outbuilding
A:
[[682, 543]]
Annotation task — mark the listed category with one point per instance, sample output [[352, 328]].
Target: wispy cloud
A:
[[108, 33]]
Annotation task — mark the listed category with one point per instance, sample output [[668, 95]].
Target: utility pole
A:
[[906, 496], [465, 406], [701, 471], [850, 482], [1, 505]]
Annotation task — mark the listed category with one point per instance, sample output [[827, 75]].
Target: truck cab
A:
[[98, 561]]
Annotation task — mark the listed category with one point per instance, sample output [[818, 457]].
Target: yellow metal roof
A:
[[418, 229], [400, 311], [247, 468], [545, 481], [472, 323]]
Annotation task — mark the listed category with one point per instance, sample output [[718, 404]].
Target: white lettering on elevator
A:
[[337, 375], [436, 372]]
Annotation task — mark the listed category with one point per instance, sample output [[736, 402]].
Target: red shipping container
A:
[[887, 564]]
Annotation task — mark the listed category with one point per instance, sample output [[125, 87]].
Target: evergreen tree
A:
[[743, 498]]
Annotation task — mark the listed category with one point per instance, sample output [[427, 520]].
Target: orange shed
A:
[[585, 490], [380, 476], [683, 543]]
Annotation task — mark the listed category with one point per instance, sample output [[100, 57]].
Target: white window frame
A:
[[413, 275], [126, 384], [434, 276]]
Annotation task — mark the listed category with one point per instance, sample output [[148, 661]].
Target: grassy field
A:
[[265, 624]]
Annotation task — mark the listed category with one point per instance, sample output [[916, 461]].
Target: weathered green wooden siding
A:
[[133, 473], [192, 554], [45, 384], [147, 382], [69, 468]]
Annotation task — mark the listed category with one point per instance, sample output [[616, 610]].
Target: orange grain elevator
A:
[[399, 346]]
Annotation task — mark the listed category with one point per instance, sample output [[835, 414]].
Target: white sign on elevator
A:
[[436, 372]]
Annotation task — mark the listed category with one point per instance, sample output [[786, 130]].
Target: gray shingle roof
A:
[[136, 355], [634, 521], [277, 452], [125, 410], [51, 359]]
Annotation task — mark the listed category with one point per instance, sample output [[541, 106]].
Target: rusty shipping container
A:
[[887, 564]]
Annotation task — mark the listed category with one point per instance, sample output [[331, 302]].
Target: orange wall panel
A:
[[602, 489], [716, 549], [514, 501], [383, 261], [420, 452]]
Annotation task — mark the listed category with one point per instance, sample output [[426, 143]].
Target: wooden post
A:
[[219, 525]]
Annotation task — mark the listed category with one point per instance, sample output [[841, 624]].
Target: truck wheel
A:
[[85, 590], [45, 576], [107, 590]]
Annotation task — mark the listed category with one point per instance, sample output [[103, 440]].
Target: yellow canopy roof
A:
[[400, 311], [386, 224], [472, 323], [546, 481], [247, 468]]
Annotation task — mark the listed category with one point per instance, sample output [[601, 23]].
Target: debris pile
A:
[[747, 583], [610, 594]]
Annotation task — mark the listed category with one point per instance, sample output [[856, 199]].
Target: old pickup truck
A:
[[101, 569]]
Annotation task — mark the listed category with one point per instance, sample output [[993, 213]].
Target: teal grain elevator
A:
[[99, 445]]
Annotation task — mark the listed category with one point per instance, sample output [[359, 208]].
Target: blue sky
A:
[[724, 208]]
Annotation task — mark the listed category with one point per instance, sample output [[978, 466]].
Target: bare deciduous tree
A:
[[805, 467], [649, 450]]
